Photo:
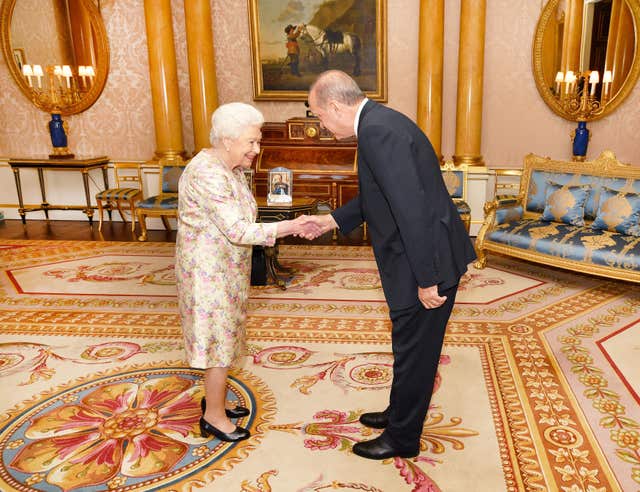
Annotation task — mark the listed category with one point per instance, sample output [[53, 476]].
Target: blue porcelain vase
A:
[[580, 141], [56, 130]]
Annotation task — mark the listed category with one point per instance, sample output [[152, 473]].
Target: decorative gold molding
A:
[[545, 91], [101, 68]]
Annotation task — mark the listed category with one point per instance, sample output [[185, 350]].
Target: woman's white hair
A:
[[232, 119]]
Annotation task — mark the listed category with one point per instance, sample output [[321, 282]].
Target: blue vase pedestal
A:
[[580, 141], [57, 131]]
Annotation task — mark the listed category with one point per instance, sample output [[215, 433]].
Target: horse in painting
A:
[[329, 43]]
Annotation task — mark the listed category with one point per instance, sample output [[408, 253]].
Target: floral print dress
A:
[[216, 228]]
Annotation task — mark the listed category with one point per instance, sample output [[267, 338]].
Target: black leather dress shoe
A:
[[232, 413], [375, 420], [238, 434], [379, 449]]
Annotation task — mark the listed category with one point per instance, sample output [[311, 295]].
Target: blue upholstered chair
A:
[[455, 179], [165, 203], [128, 190]]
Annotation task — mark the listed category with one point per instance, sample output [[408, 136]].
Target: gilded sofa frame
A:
[[606, 165]]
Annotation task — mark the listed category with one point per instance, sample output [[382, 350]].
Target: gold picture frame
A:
[[289, 49]]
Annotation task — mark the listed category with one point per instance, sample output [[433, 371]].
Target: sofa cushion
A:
[[565, 203], [573, 243], [619, 211], [536, 196]]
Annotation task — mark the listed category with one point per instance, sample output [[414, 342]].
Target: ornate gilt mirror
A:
[[586, 57], [57, 52]]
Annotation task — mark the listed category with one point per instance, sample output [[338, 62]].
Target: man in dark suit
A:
[[419, 242]]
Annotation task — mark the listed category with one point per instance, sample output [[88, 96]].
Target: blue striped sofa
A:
[[605, 241]]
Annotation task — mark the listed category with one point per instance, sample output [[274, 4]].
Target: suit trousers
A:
[[417, 336]]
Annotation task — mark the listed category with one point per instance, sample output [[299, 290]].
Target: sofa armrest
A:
[[502, 210]]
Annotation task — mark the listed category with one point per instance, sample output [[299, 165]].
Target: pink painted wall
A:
[[515, 119]]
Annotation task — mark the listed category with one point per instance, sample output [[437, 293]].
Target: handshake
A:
[[307, 226]]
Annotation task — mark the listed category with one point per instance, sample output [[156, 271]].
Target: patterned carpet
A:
[[538, 387]]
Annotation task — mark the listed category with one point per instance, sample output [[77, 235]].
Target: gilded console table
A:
[[82, 165]]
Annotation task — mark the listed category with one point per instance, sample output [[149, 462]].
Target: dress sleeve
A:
[[214, 192]]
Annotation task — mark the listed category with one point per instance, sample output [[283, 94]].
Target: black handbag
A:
[[258, 266]]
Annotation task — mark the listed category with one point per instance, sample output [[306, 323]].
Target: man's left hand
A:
[[430, 298]]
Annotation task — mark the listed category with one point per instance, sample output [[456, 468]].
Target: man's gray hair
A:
[[337, 86], [232, 119]]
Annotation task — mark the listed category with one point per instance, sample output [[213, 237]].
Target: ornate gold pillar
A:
[[164, 79], [572, 36], [430, 71], [470, 80], [202, 68], [81, 34], [620, 44]]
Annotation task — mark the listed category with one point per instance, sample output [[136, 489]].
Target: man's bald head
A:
[[335, 85]]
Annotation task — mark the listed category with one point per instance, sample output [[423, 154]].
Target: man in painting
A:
[[293, 48], [279, 187]]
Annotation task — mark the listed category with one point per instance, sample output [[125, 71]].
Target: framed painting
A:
[[293, 42]]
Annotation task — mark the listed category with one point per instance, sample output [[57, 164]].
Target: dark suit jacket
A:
[[417, 236]]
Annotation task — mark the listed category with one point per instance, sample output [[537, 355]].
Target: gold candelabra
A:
[[58, 86], [581, 94], [582, 97]]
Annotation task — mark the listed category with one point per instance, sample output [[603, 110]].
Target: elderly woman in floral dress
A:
[[216, 229]]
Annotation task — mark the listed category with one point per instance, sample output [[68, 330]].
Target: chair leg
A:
[[165, 221], [143, 226], [100, 212], [119, 207], [133, 216]]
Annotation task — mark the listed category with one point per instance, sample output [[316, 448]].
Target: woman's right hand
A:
[[303, 226]]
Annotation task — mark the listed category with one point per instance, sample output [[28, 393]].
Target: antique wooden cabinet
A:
[[323, 167]]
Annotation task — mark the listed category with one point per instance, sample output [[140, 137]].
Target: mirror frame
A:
[[102, 60], [545, 92]]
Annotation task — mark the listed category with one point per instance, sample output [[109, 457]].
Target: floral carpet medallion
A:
[[135, 429], [537, 387]]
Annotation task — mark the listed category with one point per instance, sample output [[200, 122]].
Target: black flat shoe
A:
[[232, 413], [239, 433], [378, 449], [375, 420]]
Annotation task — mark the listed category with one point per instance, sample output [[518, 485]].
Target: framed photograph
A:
[[280, 185], [293, 42], [18, 55]]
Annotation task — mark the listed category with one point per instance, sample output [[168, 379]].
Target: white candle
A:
[[569, 79], [37, 71], [27, 71], [559, 80], [66, 73], [82, 73], [606, 80], [57, 71], [594, 78]]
